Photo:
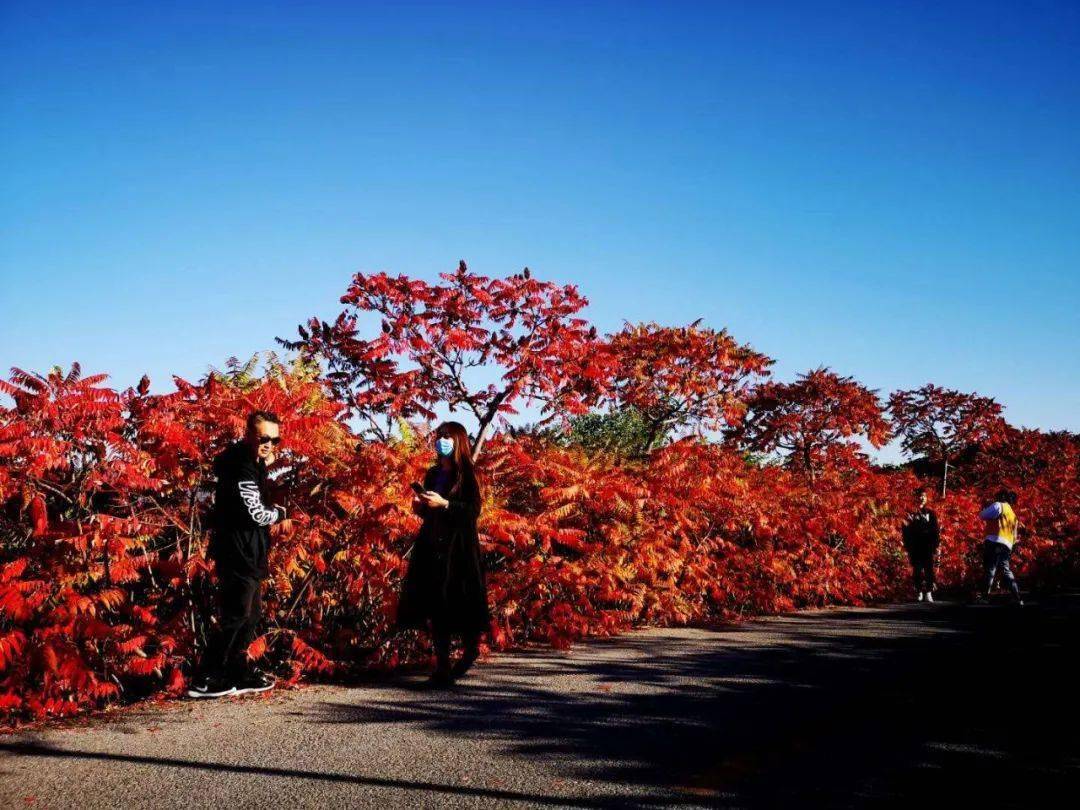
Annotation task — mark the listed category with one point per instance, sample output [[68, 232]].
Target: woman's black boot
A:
[[468, 658]]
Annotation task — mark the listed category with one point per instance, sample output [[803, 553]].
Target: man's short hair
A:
[[1006, 496], [261, 416], [920, 490]]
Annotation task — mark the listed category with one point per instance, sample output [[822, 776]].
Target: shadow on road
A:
[[833, 708], [918, 705]]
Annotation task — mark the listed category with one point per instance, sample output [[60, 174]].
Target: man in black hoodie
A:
[[239, 542], [922, 536]]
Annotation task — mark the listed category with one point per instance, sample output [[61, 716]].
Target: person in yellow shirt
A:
[[1001, 524]]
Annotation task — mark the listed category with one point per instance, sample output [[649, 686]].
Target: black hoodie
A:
[[921, 533], [242, 516]]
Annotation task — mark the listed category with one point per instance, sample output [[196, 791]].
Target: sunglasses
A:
[[275, 440]]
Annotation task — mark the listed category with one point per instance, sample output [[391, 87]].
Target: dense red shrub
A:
[[105, 590]]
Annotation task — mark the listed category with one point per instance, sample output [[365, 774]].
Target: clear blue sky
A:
[[891, 189]]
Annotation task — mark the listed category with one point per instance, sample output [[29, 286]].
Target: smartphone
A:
[[419, 490]]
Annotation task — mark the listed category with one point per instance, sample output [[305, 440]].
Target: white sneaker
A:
[[919, 598], [929, 597]]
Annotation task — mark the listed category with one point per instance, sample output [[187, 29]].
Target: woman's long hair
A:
[[464, 471]]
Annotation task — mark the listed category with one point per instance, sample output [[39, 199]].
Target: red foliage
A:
[[526, 329], [682, 377], [818, 414], [938, 423], [105, 591]]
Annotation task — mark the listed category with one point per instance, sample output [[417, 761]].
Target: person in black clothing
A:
[[922, 536], [444, 589], [239, 542]]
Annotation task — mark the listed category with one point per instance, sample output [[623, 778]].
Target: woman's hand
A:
[[433, 500]]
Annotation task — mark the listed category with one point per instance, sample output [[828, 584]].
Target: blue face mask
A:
[[444, 447]]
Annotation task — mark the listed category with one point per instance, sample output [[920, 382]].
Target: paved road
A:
[[913, 705]]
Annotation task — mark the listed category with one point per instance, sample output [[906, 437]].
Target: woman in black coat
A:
[[444, 589]]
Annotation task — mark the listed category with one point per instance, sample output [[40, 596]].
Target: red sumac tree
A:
[[940, 423], [806, 419], [472, 342]]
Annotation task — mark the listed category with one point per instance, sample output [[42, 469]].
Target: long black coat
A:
[[445, 580]]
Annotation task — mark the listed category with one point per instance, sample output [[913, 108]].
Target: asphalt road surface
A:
[[915, 706]]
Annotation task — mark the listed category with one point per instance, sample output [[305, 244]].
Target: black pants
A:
[[995, 558], [240, 603], [440, 637], [922, 572]]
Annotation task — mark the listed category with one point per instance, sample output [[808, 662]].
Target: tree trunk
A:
[[808, 463], [481, 436], [945, 479], [656, 432], [486, 423]]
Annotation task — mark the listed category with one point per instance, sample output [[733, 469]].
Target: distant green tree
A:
[[620, 431], [623, 432]]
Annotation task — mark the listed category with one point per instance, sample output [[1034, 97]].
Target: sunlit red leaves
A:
[[939, 423], [105, 589], [176, 682], [11, 646], [256, 649], [934, 421], [39, 516], [807, 418], [683, 377], [310, 659], [524, 331], [575, 545], [102, 557]]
